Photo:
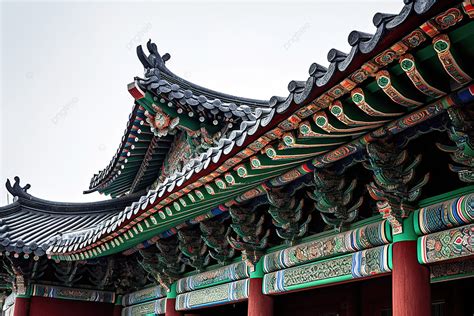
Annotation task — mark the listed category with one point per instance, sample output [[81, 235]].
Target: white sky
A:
[[65, 67]]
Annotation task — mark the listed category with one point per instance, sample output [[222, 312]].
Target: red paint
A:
[[170, 308], [43, 306], [117, 310], [258, 303], [411, 293], [22, 306]]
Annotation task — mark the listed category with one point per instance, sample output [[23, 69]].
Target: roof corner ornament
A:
[[154, 59], [16, 189]]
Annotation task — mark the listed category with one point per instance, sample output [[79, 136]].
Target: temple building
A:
[[352, 195]]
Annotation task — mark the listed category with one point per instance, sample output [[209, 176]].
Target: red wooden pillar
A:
[[118, 306], [171, 302], [22, 306], [411, 292], [259, 304], [171, 309]]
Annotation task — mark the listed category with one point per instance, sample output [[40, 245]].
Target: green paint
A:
[[320, 282], [440, 46], [172, 291], [258, 272], [408, 232], [320, 121], [416, 223], [446, 196], [184, 120], [357, 98], [336, 110], [407, 64], [383, 82], [419, 251], [390, 256], [388, 230]]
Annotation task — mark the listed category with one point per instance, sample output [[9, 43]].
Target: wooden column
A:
[[22, 306], [411, 292], [258, 303], [171, 302], [170, 308]]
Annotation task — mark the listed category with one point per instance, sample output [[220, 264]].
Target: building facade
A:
[[352, 195]]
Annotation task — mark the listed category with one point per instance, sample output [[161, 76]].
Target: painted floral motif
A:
[[230, 292], [458, 269], [445, 245], [155, 307], [448, 18], [74, 294], [447, 214], [360, 264], [361, 238], [182, 151], [228, 273], [144, 295]]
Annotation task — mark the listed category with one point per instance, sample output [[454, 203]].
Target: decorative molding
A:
[[215, 295], [445, 215], [215, 233], [369, 236], [229, 273], [193, 248], [451, 270], [333, 198], [286, 210], [442, 46], [155, 307], [144, 295], [395, 186], [252, 236], [445, 245], [357, 265], [73, 294], [408, 65]]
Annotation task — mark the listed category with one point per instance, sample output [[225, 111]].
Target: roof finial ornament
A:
[[16, 189], [154, 60]]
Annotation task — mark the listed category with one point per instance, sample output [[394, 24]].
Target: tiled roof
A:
[[31, 225]]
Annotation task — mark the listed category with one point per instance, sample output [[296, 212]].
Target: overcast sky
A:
[[65, 67]]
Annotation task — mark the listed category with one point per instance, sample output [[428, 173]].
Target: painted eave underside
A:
[[197, 99], [209, 166], [137, 161]]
